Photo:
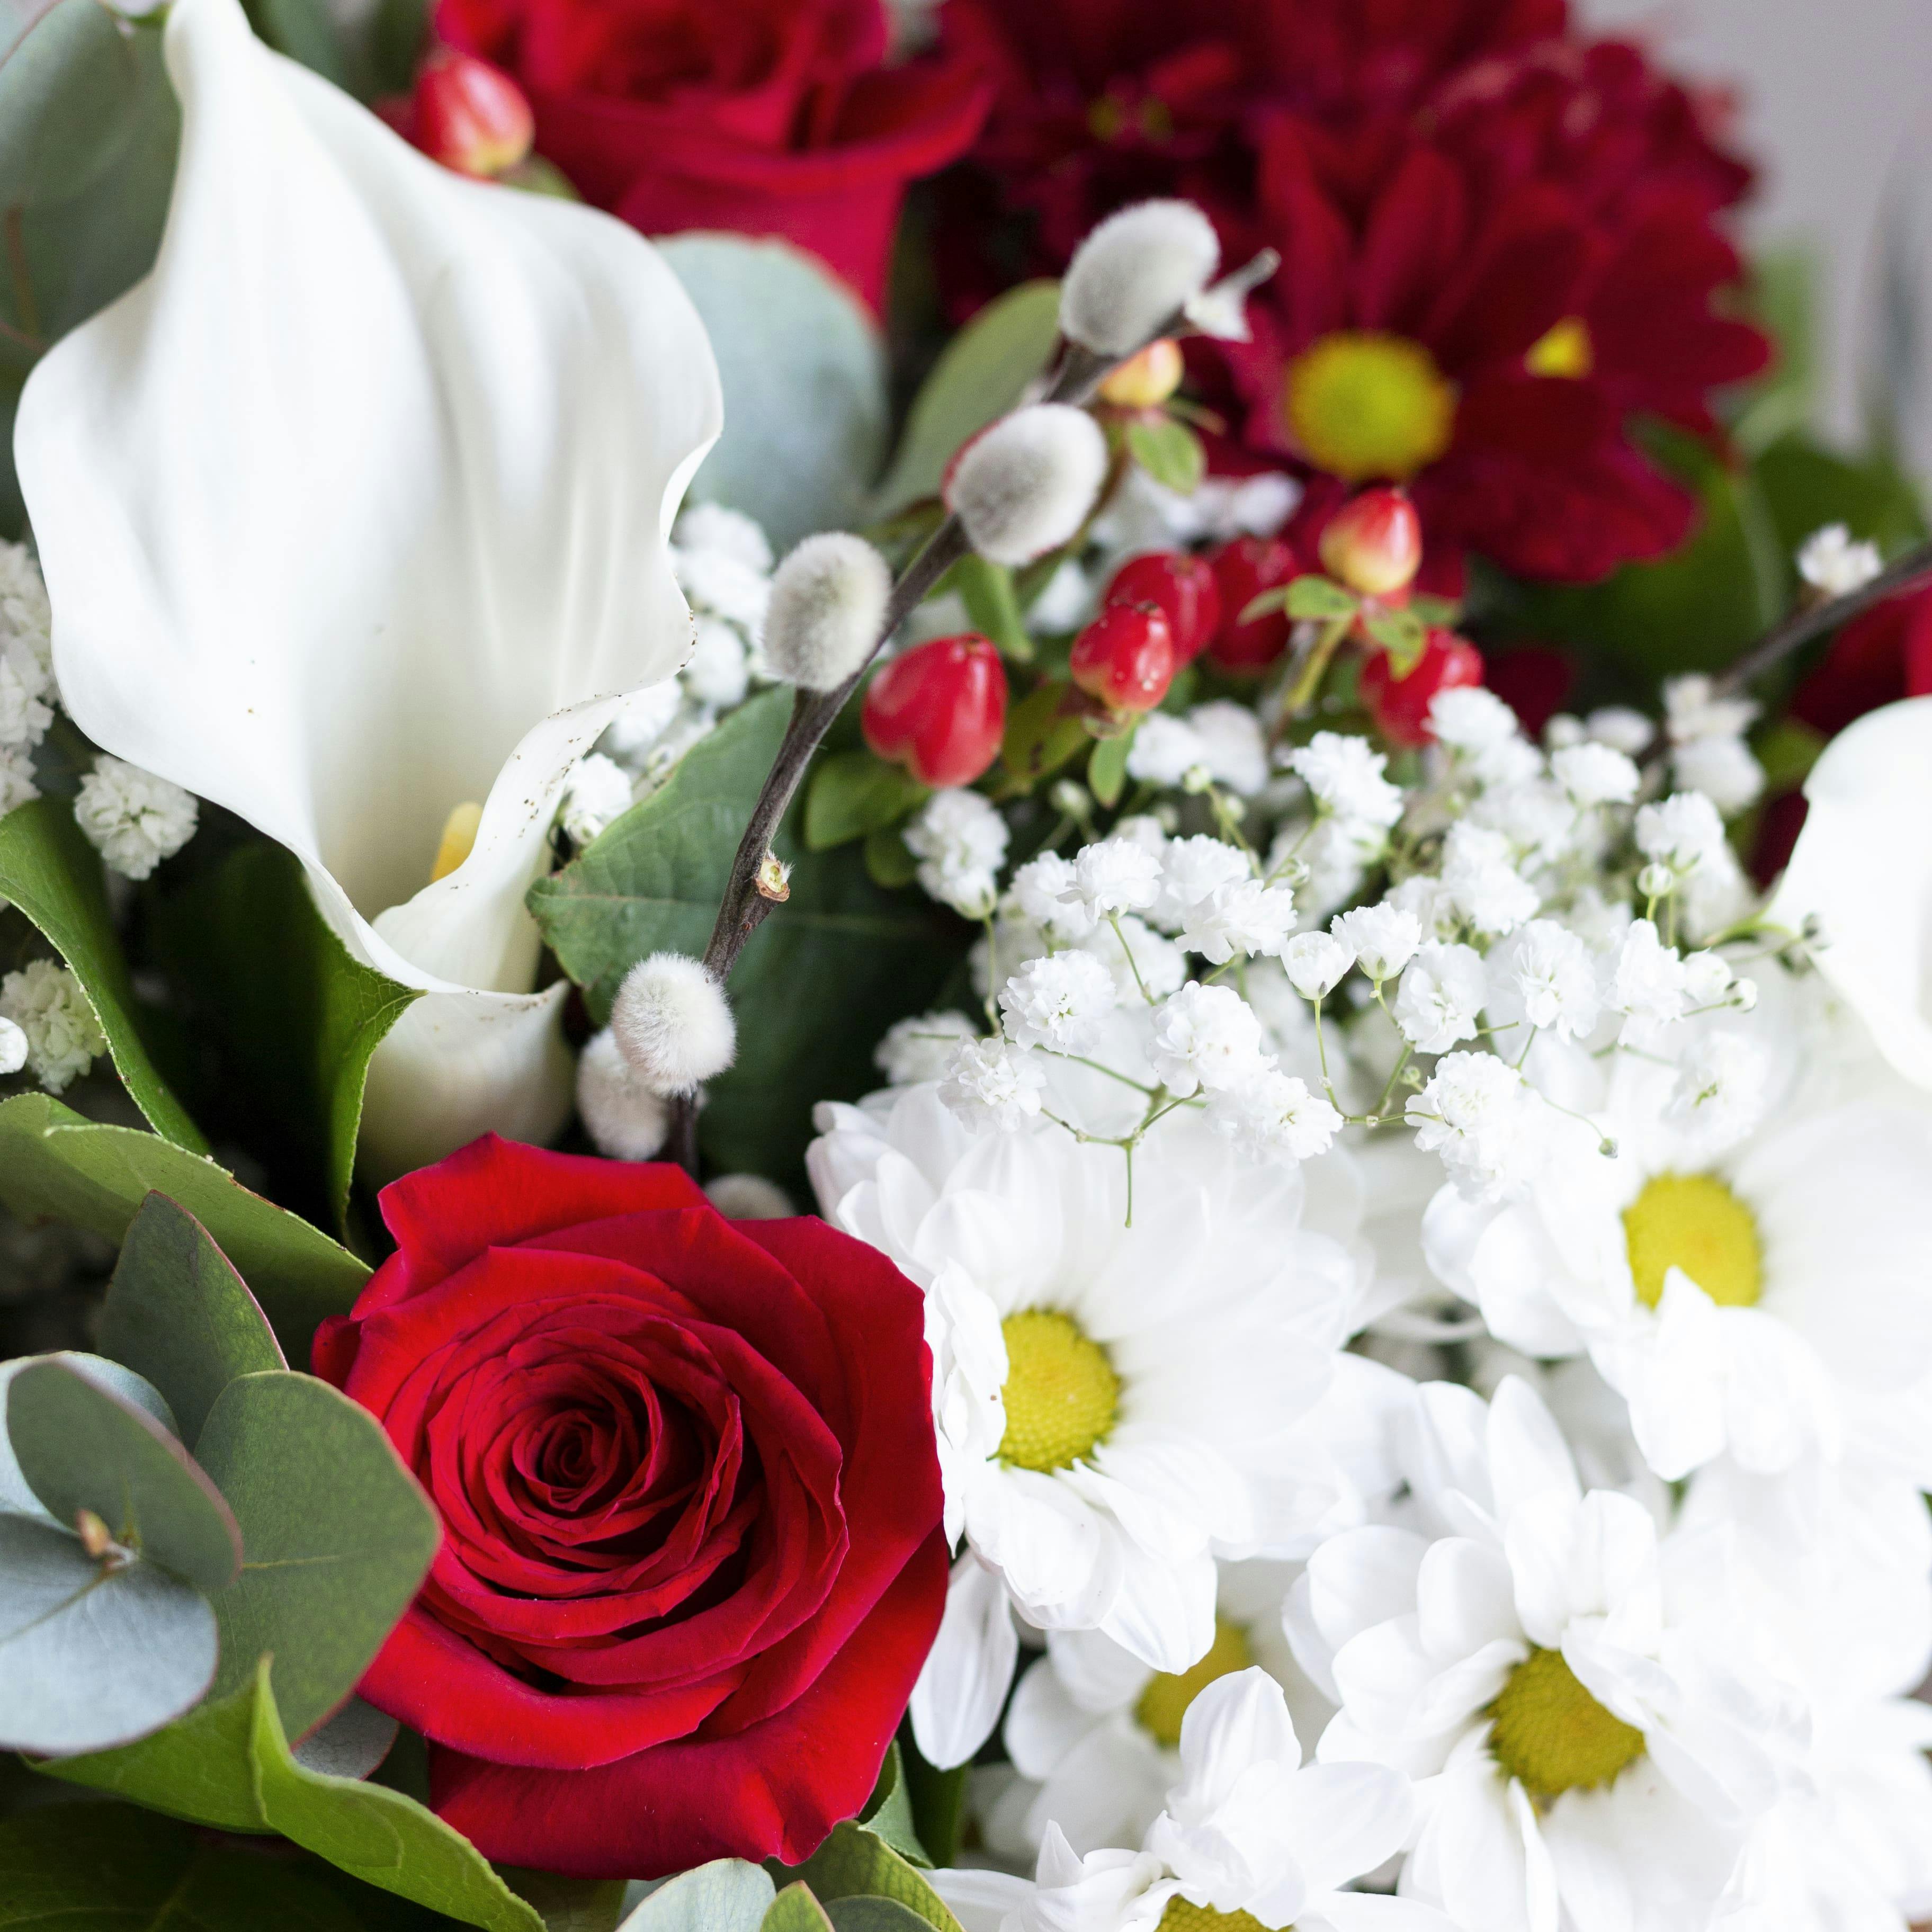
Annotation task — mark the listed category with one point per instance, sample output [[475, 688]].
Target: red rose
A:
[[765, 117], [691, 1558]]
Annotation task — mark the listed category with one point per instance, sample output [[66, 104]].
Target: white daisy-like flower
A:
[[993, 1082], [132, 818], [1830, 560], [45, 1001], [1206, 1037], [1118, 1405], [1344, 775], [1591, 1718], [1440, 998], [959, 839], [1057, 1002], [922, 1048]]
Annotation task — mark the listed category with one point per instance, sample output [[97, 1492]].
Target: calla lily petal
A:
[[357, 509], [1863, 866]]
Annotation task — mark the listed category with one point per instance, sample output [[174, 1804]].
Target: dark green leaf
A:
[[863, 1914], [854, 793], [336, 1537], [303, 30], [81, 1448], [1400, 633], [1169, 452], [1044, 730], [888, 1812], [567, 1904], [853, 1863], [1436, 612], [1313, 596], [49, 870], [890, 863], [55, 1164], [938, 1800], [1107, 769], [796, 1910], [993, 605], [1783, 297], [177, 1313], [1806, 487]]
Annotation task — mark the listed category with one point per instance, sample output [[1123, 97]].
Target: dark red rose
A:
[[764, 117], [691, 1558]]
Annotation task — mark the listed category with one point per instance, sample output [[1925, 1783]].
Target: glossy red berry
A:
[[1242, 570], [1373, 544], [1184, 588], [1400, 705], [1125, 658], [939, 709], [470, 116]]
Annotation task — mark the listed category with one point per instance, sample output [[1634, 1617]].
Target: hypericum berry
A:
[[1145, 381], [470, 116], [1400, 705], [1242, 570], [939, 709], [1184, 587], [1373, 544], [1125, 658]]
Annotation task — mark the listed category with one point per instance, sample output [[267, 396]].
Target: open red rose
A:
[[764, 117], [692, 1558]]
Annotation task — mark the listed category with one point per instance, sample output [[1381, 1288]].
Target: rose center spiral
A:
[[1061, 1394]]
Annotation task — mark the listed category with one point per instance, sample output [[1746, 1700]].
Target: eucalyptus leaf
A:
[[55, 1164], [49, 870], [983, 373], [727, 1895], [92, 1655], [177, 1313], [353, 1744], [336, 1537], [15, 1493], [804, 375], [864, 1914], [81, 1448], [853, 1863], [796, 1910]]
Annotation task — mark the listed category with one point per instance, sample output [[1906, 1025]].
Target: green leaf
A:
[[890, 863], [1806, 487], [295, 1018], [727, 1895], [854, 793], [1169, 452], [796, 1910], [1401, 634], [1107, 769], [49, 870], [1782, 296], [336, 1537], [888, 1812], [110, 1868], [981, 374], [938, 1800], [55, 1164], [993, 605], [804, 374], [864, 1914], [374, 1834], [1045, 729], [567, 1904], [853, 1863], [1314, 596], [81, 1448], [303, 30], [177, 1313]]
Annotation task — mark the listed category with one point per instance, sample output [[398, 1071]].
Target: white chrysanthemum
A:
[[991, 1082], [1596, 774], [1345, 774], [625, 1120], [1057, 1002], [922, 1048], [1247, 917], [1206, 1037], [1382, 938], [1577, 1691], [45, 1001], [1274, 1115], [600, 792], [1441, 995], [1128, 1410], [132, 818], [1191, 868], [960, 840], [1829, 560]]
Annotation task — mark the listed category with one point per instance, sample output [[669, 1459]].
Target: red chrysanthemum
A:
[[1499, 243]]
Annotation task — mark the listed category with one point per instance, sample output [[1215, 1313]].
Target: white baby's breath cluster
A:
[[28, 697], [44, 1004]]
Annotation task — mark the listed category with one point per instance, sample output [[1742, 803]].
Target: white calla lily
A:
[[356, 509], [1863, 867]]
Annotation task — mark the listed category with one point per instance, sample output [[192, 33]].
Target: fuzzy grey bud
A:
[[828, 602], [1135, 273], [1026, 485]]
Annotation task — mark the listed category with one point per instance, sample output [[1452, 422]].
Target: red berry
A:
[[471, 116], [1125, 658], [1184, 588], [1242, 570], [1400, 705], [939, 709], [1374, 544]]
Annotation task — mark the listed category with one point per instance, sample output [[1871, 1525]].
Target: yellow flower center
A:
[[1551, 1733], [1566, 350], [1061, 1395], [1181, 1916], [1165, 1702], [1695, 1222], [458, 841], [1364, 405]]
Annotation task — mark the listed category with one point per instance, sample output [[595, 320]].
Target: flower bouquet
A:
[[1193, 674]]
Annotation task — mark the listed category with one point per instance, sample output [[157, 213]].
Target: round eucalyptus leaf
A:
[[728, 1895], [352, 1743], [14, 1493]]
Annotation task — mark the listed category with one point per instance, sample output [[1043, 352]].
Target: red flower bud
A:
[[1125, 658], [470, 116], [1374, 544], [939, 709], [1400, 705], [1184, 588], [1242, 570]]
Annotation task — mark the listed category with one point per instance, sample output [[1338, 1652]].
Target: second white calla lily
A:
[[356, 510]]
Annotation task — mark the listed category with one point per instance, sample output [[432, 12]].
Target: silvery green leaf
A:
[[14, 1494], [91, 1656], [353, 1744], [728, 1895]]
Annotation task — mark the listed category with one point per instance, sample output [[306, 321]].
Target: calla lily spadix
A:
[[356, 510]]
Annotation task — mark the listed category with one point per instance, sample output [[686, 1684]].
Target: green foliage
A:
[[888, 1812], [795, 1910], [890, 863], [853, 1863], [854, 793], [1400, 634], [1783, 298], [804, 376], [568, 1904], [49, 870], [993, 605], [873, 1915], [1806, 487], [1046, 729], [1169, 452], [937, 1798], [728, 1895], [55, 1165], [1107, 769], [177, 1313], [981, 374], [1311, 596]]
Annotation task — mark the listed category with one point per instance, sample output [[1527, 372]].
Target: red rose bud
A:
[[1184, 588], [471, 116], [1125, 658], [1374, 544], [939, 709], [1400, 705], [1242, 570]]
